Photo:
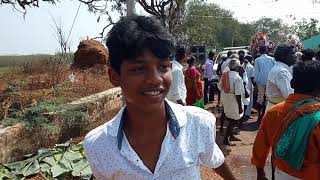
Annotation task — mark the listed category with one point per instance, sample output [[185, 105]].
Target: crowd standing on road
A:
[[160, 134]]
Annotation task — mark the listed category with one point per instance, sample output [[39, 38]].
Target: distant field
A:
[[4, 69], [10, 61]]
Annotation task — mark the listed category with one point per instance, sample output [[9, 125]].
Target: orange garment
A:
[[225, 82], [191, 93], [273, 122]]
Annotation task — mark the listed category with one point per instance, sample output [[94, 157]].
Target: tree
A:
[[213, 26], [276, 30], [169, 12], [306, 29], [22, 5]]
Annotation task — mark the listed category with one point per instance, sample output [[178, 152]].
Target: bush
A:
[[24, 90]]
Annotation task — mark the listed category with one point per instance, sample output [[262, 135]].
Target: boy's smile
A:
[[145, 81]]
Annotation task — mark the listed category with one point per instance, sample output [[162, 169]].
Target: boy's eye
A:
[[164, 68], [137, 69]]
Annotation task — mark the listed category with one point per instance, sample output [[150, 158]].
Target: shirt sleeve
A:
[[212, 156], [262, 144], [176, 85], [238, 87], [256, 71], [283, 83], [251, 72], [92, 158], [206, 70], [219, 85]]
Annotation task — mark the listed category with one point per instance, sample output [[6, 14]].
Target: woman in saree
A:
[[193, 82]]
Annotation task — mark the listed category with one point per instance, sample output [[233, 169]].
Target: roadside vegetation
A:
[[64, 161], [32, 88]]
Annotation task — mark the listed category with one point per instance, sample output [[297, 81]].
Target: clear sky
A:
[[35, 33]]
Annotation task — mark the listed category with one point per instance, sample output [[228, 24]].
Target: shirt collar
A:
[[210, 61], [297, 97], [177, 64], [115, 127], [234, 72], [283, 64]]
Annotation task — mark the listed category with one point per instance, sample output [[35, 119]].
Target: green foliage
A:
[[10, 121], [35, 116], [213, 26], [39, 115], [62, 161], [275, 29], [306, 29]]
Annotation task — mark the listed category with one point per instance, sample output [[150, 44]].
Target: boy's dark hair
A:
[[283, 53], [307, 55], [181, 53], [229, 53], [249, 58], [241, 52], [306, 77], [191, 60], [263, 49], [211, 54], [130, 36]]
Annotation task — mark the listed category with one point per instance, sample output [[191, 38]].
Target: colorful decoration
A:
[[295, 41], [260, 39]]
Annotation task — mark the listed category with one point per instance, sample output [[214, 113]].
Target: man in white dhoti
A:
[[232, 94]]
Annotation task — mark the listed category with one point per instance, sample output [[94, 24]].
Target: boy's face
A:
[[145, 81]]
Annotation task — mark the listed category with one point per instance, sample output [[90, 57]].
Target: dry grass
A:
[[49, 79]]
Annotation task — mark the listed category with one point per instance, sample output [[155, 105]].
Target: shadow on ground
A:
[[237, 157]]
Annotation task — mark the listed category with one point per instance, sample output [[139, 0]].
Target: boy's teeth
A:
[[153, 93]]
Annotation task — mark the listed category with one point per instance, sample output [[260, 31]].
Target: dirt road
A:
[[237, 157]]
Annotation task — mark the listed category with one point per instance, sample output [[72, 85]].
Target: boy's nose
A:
[[153, 77]]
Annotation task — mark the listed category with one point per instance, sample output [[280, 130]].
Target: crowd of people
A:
[[160, 134]]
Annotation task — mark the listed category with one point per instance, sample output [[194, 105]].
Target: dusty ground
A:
[[237, 157]]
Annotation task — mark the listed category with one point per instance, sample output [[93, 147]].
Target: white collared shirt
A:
[[278, 84], [250, 74], [178, 88], [225, 65], [180, 156]]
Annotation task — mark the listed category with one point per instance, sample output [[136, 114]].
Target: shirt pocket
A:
[[181, 162]]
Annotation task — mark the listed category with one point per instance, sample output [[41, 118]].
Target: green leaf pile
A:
[[64, 161]]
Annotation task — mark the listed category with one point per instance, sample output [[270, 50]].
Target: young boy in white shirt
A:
[[150, 138]]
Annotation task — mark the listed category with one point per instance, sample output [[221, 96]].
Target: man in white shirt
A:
[[178, 90], [225, 67], [278, 85], [250, 74], [232, 95], [230, 55], [208, 78]]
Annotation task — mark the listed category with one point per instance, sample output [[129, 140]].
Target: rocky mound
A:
[[89, 54]]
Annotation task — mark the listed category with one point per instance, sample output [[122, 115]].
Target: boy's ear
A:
[[114, 77]]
